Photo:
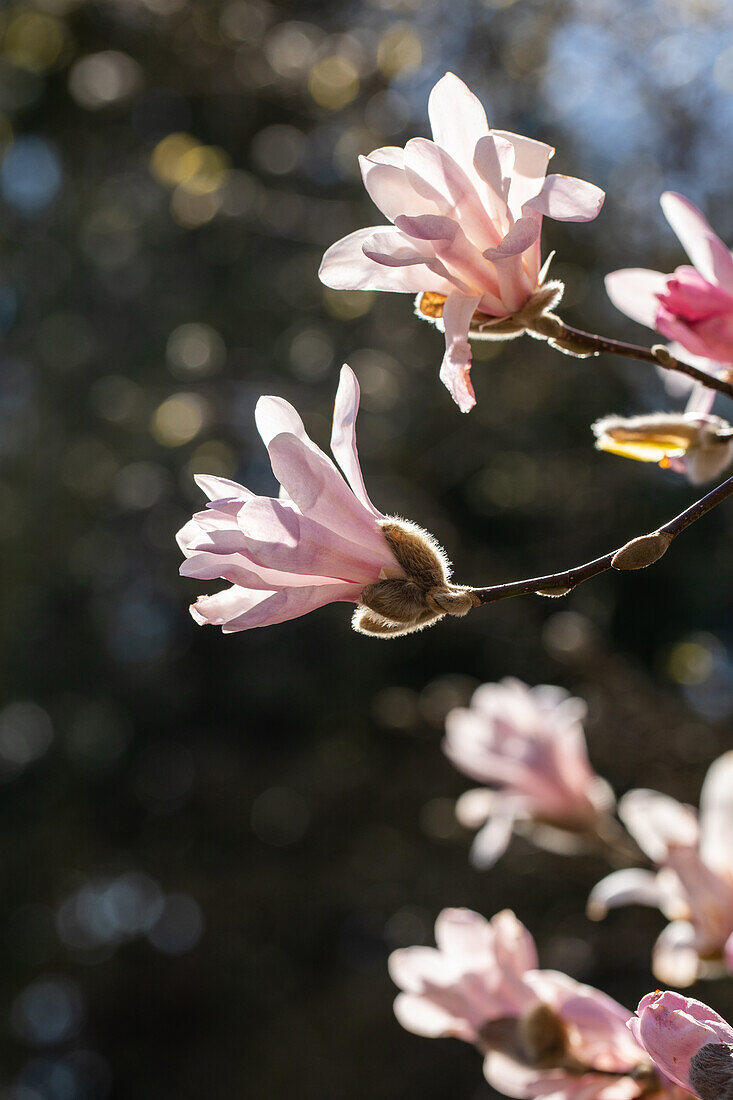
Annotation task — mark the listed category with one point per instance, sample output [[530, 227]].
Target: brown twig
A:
[[636, 554], [586, 343]]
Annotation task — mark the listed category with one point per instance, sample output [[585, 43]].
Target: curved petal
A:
[[492, 841], [222, 607], [567, 199], [232, 568], [631, 886], [291, 603], [674, 957], [221, 488], [634, 291], [388, 187], [343, 436], [463, 934], [424, 1017], [457, 119], [716, 815], [474, 807], [693, 231], [520, 237], [455, 370], [657, 821], [345, 267], [493, 160], [530, 166]]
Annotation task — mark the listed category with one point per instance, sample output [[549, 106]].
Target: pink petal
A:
[[221, 488], [634, 291], [387, 185], [463, 934], [423, 1017], [567, 199], [315, 485], [716, 815], [289, 604], [691, 337], [230, 603], [493, 159], [474, 807], [437, 177], [631, 886], [523, 233], [453, 248], [530, 166], [492, 841], [457, 119], [657, 821], [692, 229], [343, 436], [277, 537], [345, 267], [391, 247], [674, 957], [245, 574], [455, 370], [414, 968]]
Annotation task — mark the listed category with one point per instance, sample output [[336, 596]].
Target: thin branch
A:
[[650, 548], [589, 343]]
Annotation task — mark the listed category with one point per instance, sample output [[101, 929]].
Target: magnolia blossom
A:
[[688, 1042], [693, 442], [322, 542], [541, 1032], [528, 745], [466, 210], [693, 885], [694, 305]]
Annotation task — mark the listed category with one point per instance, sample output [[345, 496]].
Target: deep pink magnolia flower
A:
[[466, 210], [528, 745], [693, 885], [688, 1042], [694, 305], [541, 1032]]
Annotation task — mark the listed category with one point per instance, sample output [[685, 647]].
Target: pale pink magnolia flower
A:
[[541, 1032], [694, 305], [688, 1042], [466, 210], [322, 542], [528, 745], [693, 885]]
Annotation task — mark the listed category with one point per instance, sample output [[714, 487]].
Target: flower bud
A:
[[396, 605], [642, 551], [543, 1036], [694, 443]]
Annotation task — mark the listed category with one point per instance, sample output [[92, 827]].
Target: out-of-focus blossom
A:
[[688, 1042], [693, 305], [528, 745], [322, 542], [693, 885], [696, 444], [466, 211], [541, 1032]]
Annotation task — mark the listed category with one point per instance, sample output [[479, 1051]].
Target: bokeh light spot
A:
[[334, 82], [30, 175], [179, 419]]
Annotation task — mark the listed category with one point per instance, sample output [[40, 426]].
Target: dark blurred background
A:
[[210, 844]]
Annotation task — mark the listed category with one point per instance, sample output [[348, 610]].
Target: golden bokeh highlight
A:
[[179, 419], [334, 82], [348, 305], [399, 51], [33, 41]]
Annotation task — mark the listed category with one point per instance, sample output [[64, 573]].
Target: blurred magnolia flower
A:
[[694, 305], [693, 885], [694, 443], [540, 1031], [466, 211], [322, 542], [528, 744], [688, 1042]]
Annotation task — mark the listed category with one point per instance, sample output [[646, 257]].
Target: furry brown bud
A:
[[553, 592], [641, 552], [711, 1072], [543, 1037]]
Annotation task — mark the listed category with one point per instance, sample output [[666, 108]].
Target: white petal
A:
[[674, 957], [457, 119], [634, 291], [632, 886], [716, 815], [657, 821], [343, 436], [693, 231]]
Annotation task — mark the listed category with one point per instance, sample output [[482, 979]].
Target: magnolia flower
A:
[[693, 885], [694, 443], [528, 744], [541, 1032], [694, 305], [688, 1042], [466, 210], [322, 542]]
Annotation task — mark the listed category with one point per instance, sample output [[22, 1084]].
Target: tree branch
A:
[[636, 554]]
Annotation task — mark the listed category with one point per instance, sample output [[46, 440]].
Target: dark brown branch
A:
[[636, 554], [588, 343]]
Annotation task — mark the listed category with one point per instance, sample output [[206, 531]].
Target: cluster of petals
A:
[[688, 1042], [693, 883], [542, 1033], [694, 305], [527, 745], [466, 212], [320, 543]]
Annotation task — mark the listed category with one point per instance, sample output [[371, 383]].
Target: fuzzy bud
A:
[[553, 593], [642, 551], [711, 1072], [534, 317], [543, 1037], [397, 605]]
